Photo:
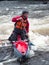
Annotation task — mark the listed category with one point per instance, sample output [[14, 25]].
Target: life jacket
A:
[[21, 25]]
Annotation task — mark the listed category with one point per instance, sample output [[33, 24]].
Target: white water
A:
[[39, 26], [39, 31]]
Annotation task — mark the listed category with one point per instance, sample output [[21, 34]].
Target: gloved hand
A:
[[27, 34]]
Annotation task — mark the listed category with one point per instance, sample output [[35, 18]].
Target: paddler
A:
[[21, 26]]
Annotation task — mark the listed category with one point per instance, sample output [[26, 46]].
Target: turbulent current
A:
[[38, 19]]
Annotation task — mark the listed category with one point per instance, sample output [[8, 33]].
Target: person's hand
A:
[[27, 34]]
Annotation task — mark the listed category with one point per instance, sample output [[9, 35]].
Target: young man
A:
[[21, 27]]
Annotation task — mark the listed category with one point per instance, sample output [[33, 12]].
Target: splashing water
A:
[[39, 27]]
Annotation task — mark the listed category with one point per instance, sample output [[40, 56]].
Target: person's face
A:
[[26, 15]]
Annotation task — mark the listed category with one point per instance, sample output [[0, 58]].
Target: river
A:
[[39, 26]]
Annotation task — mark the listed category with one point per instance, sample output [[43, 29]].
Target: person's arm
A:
[[27, 28], [14, 19]]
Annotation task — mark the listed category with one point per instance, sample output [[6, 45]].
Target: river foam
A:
[[39, 31]]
